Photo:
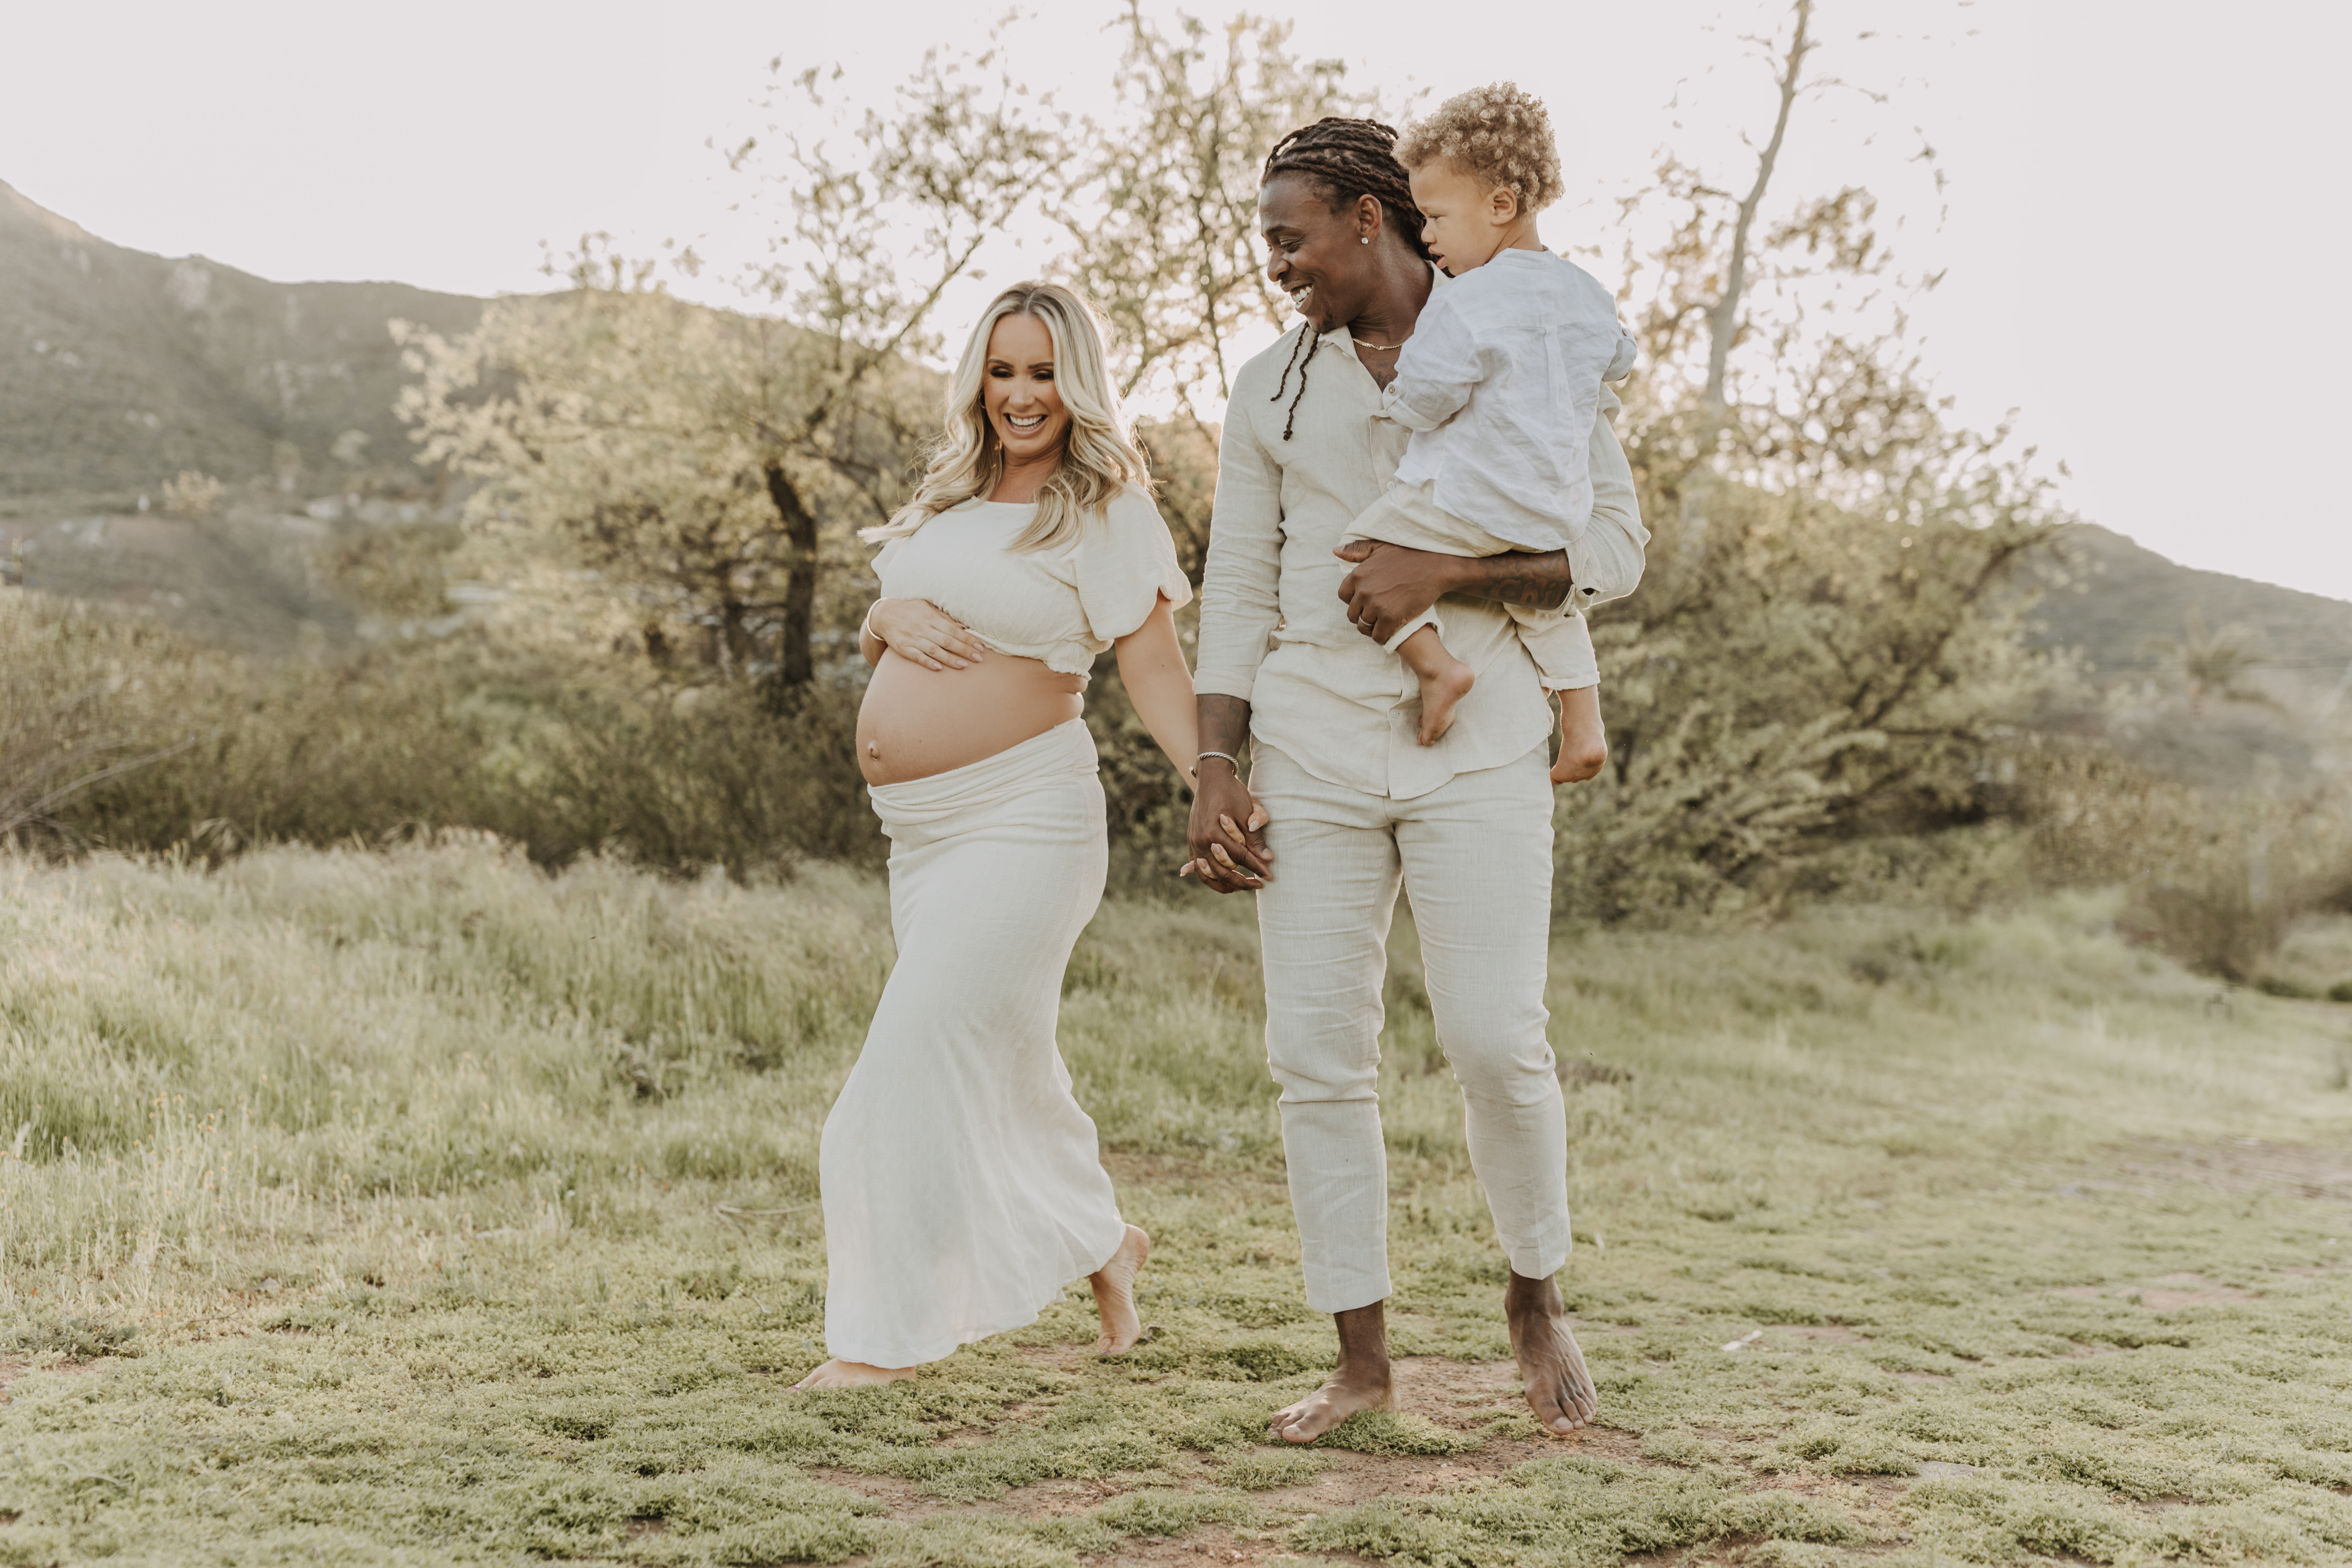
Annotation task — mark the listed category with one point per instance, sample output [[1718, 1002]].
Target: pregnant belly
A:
[[915, 723]]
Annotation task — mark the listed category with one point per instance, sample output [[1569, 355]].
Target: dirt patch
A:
[[2172, 1292], [2168, 1293], [1213, 1544], [1040, 1499], [10, 1371], [1457, 1394], [1462, 1396], [2245, 1166], [1061, 1356]]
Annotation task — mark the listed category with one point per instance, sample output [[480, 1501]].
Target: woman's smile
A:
[[1020, 395]]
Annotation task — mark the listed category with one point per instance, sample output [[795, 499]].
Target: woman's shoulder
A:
[[1129, 520], [1133, 508]]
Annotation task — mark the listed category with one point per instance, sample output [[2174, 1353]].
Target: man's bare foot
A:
[[1337, 1399], [852, 1374], [1551, 1367], [1583, 743], [1359, 1383], [1114, 1285]]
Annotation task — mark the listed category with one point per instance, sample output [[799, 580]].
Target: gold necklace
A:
[[1379, 348]]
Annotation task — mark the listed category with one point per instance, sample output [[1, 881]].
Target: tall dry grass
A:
[[283, 1041], [185, 1051]]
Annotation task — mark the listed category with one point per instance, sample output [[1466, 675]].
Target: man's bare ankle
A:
[[1524, 1294]]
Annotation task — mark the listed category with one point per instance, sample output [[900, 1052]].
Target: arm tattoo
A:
[[1520, 577]]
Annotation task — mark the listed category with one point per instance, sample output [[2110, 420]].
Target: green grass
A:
[[423, 1208]]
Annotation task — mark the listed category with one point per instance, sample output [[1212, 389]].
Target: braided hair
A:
[[1345, 160]]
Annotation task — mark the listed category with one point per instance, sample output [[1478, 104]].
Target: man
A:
[[1341, 806]]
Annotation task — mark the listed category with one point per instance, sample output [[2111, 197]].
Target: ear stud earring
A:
[[1363, 239]]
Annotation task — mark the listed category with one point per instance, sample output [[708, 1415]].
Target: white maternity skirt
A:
[[962, 1187]]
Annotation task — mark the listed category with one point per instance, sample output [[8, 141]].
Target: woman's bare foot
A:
[[852, 1374], [1359, 1383], [1114, 1285], [1583, 743], [1551, 1367]]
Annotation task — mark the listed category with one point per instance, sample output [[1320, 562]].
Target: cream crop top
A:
[[1062, 606]]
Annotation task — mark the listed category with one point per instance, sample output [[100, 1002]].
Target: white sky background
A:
[[2142, 227]]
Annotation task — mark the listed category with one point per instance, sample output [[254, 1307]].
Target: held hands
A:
[[1227, 832], [919, 630], [1390, 585]]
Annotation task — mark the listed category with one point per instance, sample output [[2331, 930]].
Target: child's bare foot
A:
[[1583, 743], [1114, 1285], [1444, 679], [1440, 695], [1577, 760], [852, 1374]]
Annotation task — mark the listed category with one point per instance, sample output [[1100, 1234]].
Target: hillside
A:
[[2125, 593], [119, 368]]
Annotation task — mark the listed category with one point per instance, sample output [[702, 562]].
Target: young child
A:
[[1500, 383]]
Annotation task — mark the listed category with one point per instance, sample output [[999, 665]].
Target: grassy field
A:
[[421, 1208]]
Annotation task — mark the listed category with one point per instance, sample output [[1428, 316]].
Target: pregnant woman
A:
[[963, 1189]]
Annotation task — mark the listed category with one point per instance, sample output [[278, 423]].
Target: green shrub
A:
[[2215, 879]]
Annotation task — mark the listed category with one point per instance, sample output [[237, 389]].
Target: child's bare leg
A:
[[1446, 680], [1583, 745]]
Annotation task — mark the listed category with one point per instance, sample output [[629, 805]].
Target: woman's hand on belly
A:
[[918, 721], [919, 631]]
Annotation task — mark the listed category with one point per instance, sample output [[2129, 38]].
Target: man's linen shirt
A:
[[1274, 631]]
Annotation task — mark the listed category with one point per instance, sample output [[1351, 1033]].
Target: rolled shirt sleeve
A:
[[1240, 603], [1606, 557]]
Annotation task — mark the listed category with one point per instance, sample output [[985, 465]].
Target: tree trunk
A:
[[734, 637], [1723, 321], [795, 662]]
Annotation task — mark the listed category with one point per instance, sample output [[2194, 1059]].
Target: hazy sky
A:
[[2138, 230]]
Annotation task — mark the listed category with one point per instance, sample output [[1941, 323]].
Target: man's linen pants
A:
[[1475, 856]]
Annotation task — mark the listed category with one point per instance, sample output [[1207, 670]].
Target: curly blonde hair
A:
[[1496, 133]]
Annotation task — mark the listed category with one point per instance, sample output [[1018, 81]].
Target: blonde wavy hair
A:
[[1099, 456], [1495, 133]]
